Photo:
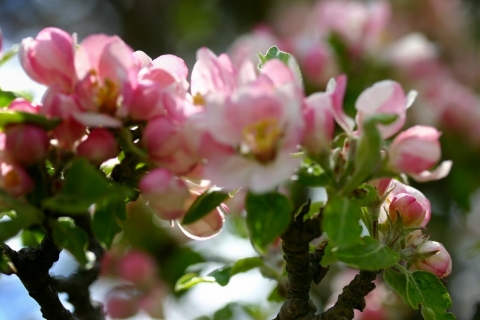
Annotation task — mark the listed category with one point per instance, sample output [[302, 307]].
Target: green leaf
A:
[[6, 97], [32, 237], [367, 155], [275, 295], [329, 256], [369, 255], [365, 195], [398, 282], [8, 54], [83, 186], [312, 175], [221, 276], [421, 288], [225, 313], [67, 235], [25, 216], [12, 117], [268, 216], [104, 223], [204, 204], [341, 221], [274, 53]]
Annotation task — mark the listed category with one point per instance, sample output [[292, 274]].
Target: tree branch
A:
[[77, 285], [352, 297], [32, 266], [295, 243]]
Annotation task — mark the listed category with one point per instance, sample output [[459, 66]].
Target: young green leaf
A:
[[25, 216], [341, 221], [104, 223], [368, 255], [274, 53], [268, 216], [221, 276], [204, 204], [67, 235], [421, 288], [6, 97], [83, 186], [13, 117]]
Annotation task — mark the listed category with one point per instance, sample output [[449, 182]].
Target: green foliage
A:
[[274, 53], [67, 235], [369, 254], [204, 204], [367, 155], [25, 216], [221, 276], [83, 186], [15, 117], [104, 223], [421, 288], [268, 216], [8, 54], [6, 97], [341, 221], [32, 237], [312, 175]]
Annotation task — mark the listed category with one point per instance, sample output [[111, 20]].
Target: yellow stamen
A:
[[260, 139], [198, 99]]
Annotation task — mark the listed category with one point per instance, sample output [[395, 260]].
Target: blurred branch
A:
[[32, 266], [77, 285]]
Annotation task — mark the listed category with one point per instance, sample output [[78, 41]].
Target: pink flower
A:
[[416, 150], [384, 97], [107, 73], [411, 211], [122, 306], [26, 144], [49, 58], [439, 264], [382, 185], [212, 74], [14, 179], [167, 146], [99, 146], [336, 88], [251, 135], [161, 89], [247, 47], [165, 193], [23, 105], [138, 267], [319, 122]]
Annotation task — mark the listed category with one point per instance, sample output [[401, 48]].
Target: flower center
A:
[[198, 99], [260, 140], [107, 97]]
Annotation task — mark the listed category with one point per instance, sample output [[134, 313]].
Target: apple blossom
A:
[[439, 263], [107, 75], [99, 146], [407, 206], [49, 58], [137, 267], [165, 193], [400, 188], [319, 123], [384, 97], [415, 150]]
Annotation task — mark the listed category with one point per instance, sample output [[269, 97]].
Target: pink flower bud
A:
[[138, 267], [319, 123], [167, 146], [440, 263], [409, 208], [383, 97], [23, 105], [415, 150], [382, 185], [14, 179], [165, 193], [122, 307], [26, 144], [99, 146]]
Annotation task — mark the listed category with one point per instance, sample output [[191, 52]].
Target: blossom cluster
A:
[[235, 126]]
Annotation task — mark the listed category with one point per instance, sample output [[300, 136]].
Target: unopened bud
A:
[[137, 267], [99, 146], [439, 263], [26, 144], [409, 208]]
